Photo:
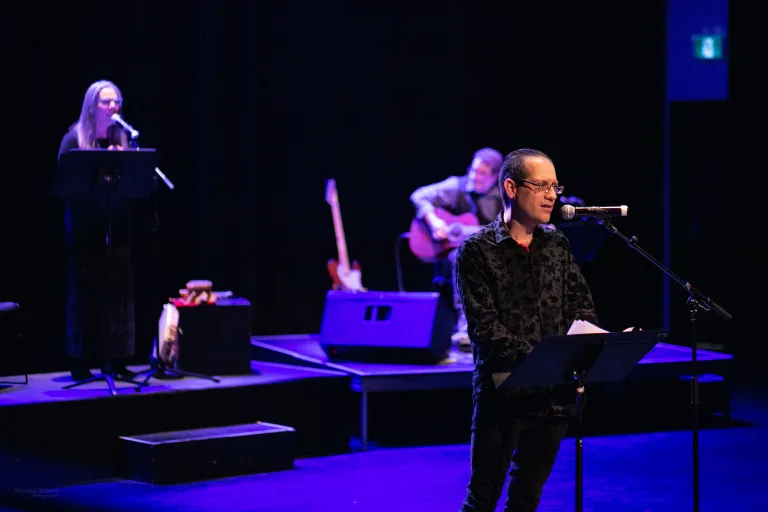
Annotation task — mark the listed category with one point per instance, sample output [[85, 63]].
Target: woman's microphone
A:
[[126, 126]]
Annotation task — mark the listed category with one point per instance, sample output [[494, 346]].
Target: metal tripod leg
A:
[[108, 377]]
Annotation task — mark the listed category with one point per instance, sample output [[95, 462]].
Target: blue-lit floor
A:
[[623, 473]]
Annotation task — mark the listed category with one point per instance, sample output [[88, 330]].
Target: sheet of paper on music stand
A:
[[584, 327], [577, 327]]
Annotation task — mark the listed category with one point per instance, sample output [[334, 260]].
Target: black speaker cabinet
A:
[[386, 327], [216, 339]]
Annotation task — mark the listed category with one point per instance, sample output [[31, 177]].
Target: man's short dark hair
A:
[[514, 168]]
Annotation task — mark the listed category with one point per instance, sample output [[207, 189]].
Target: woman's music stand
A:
[[108, 176]]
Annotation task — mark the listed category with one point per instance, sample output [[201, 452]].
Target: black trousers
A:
[[524, 447]]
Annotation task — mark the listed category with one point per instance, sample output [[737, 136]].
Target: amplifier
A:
[[386, 327]]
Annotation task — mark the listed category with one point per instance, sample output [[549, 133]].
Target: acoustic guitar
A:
[[429, 250], [343, 276]]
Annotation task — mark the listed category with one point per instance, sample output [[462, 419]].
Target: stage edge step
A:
[[206, 453]]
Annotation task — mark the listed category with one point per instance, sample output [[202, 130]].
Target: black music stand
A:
[[579, 359], [105, 176]]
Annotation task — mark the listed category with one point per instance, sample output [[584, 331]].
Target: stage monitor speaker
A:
[[386, 327]]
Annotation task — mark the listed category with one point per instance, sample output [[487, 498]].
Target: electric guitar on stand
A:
[[343, 276]]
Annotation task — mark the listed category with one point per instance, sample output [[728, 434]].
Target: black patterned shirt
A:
[[512, 297]]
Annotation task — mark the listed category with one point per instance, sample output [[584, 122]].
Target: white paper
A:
[[499, 378], [584, 327]]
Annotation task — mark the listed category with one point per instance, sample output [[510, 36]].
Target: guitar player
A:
[[477, 193]]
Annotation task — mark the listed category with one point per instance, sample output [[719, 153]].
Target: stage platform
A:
[[43, 426], [664, 364], [52, 437]]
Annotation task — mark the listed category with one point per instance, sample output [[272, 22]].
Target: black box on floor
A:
[[200, 454], [216, 339]]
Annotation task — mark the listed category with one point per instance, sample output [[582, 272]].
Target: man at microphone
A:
[[100, 320], [518, 283]]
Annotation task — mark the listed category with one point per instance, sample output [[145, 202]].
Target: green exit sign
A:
[[707, 46]]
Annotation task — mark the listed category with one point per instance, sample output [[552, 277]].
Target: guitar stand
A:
[[158, 368]]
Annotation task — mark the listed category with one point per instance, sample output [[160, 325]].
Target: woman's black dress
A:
[[100, 312]]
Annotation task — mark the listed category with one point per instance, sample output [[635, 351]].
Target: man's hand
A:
[[438, 226], [117, 147]]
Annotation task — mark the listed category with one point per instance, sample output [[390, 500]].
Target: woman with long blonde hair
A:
[[100, 316], [95, 127]]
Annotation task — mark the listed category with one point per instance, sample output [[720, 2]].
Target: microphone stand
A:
[[696, 302], [133, 143]]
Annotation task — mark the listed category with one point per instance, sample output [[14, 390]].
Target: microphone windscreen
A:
[[567, 212]]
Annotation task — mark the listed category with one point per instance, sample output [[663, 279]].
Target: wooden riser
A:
[[217, 452]]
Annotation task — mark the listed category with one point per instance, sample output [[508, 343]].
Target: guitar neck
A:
[[341, 242]]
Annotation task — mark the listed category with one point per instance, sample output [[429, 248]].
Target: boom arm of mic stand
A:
[[165, 179], [693, 294], [134, 143]]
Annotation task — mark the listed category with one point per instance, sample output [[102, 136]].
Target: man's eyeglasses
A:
[[117, 101], [543, 187]]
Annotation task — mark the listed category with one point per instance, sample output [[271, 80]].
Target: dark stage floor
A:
[[56, 437], [58, 446], [47, 387], [623, 473]]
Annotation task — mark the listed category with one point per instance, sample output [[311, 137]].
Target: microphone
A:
[[568, 212], [128, 128], [135, 135]]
